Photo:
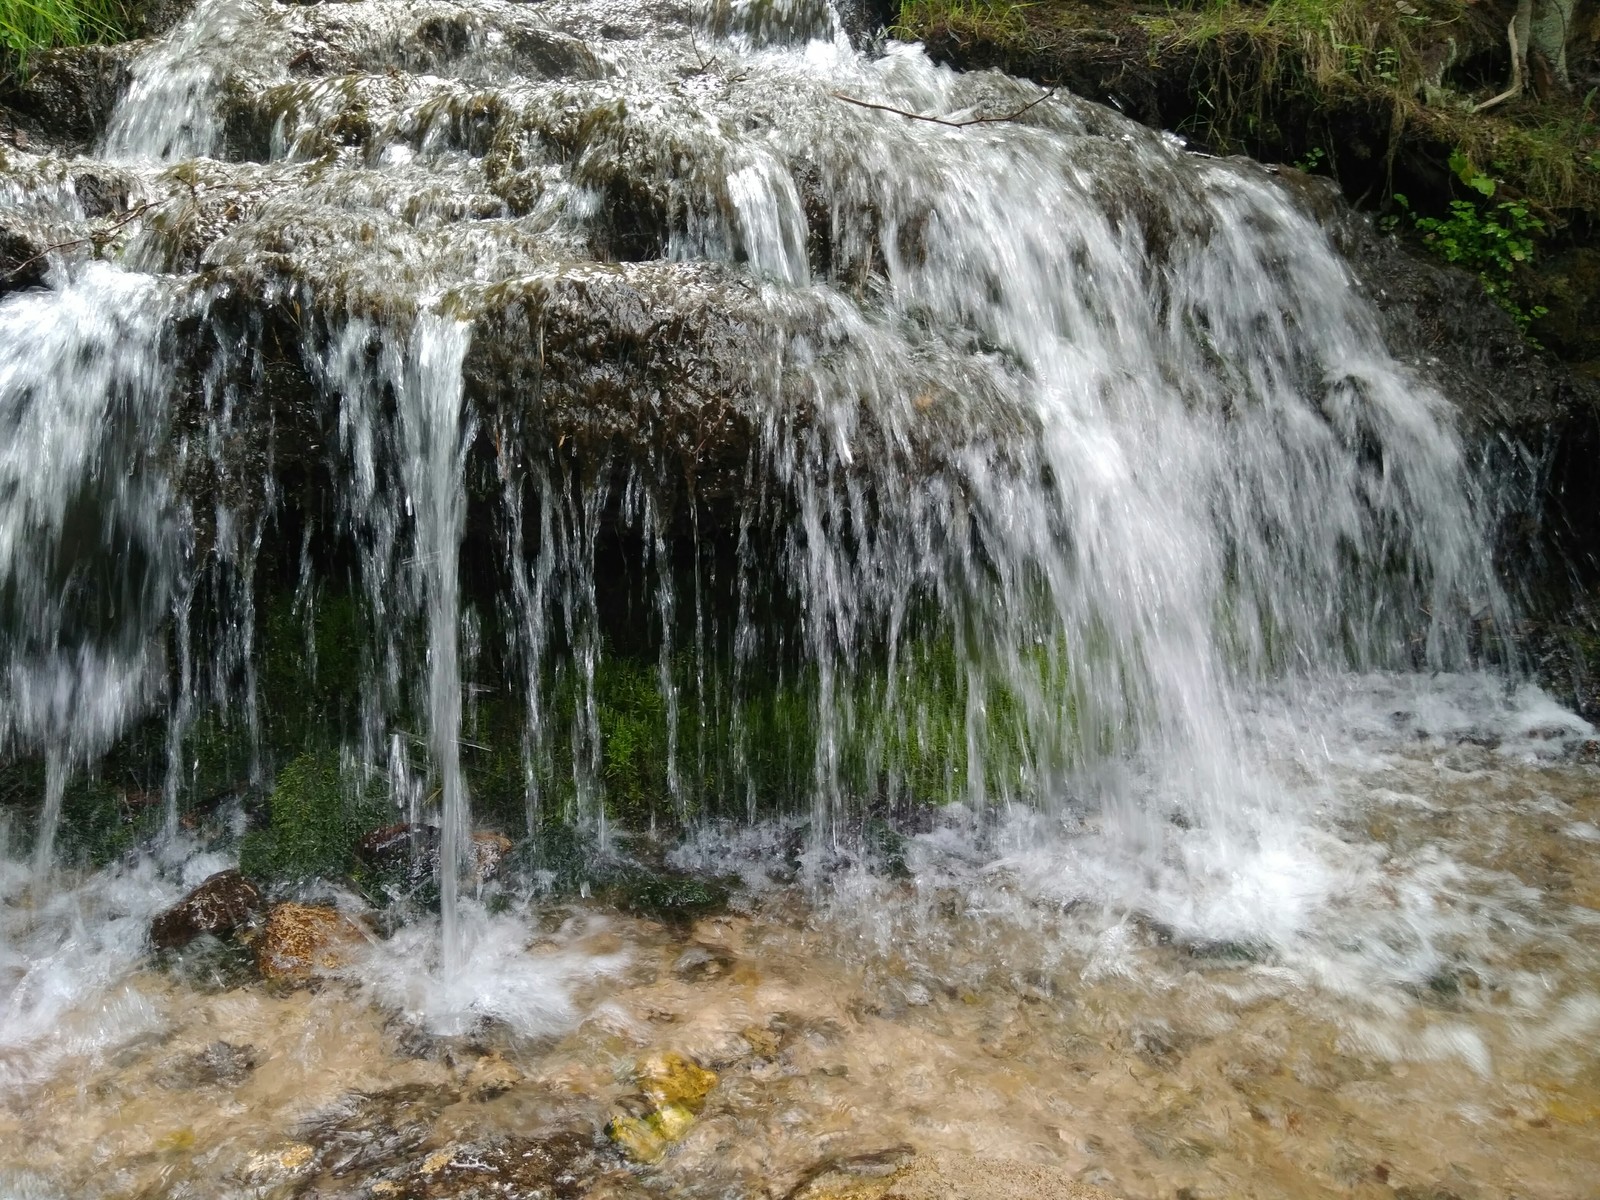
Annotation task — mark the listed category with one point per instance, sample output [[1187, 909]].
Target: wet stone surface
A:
[[218, 906]]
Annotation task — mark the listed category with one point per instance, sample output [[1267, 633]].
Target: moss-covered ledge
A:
[[1378, 94]]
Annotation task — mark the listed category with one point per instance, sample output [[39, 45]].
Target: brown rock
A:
[[218, 906], [414, 849], [302, 939], [488, 850]]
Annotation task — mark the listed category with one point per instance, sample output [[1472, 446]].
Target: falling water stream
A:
[[1027, 572]]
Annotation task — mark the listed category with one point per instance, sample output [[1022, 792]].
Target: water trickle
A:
[[86, 532], [412, 522]]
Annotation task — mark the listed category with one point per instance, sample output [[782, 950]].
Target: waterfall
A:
[[1000, 462], [87, 553]]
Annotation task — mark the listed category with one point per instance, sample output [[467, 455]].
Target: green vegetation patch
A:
[[314, 821], [27, 26]]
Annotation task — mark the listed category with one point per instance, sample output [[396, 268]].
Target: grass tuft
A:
[[28, 26]]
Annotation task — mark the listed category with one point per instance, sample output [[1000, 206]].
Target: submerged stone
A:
[[221, 1064], [673, 1079], [673, 1091]]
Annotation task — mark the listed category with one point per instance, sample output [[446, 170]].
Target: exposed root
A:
[[1515, 89]]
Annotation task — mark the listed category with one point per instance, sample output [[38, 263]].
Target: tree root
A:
[[1515, 89]]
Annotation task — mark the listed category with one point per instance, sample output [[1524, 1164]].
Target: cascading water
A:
[[805, 459]]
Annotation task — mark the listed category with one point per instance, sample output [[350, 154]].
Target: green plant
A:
[[1492, 240], [30, 25], [1311, 159]]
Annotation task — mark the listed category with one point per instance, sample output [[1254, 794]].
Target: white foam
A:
[[505, 974]]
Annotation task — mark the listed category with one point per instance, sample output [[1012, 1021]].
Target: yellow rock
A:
[[670, 1078], [302, 939], [437, 1161], [675, 1088], [647, 1138], [672, 1121], [763, 1041], [637, 1137], [178, 1139]]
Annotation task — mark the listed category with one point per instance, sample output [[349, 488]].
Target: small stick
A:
[[1010, 116], [137, 211]]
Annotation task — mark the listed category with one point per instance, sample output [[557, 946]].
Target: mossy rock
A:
[[674, 899]]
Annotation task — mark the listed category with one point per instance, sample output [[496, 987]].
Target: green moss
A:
[[314, 822], [312, 659], [672, 898]]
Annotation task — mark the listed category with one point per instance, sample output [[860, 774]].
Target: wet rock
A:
[[763, 1042], [698, 963], [563, 1165], [489, 850], [300, 940], [68, 94], [103, 191], [646, 1135], [491, 1076], [1436, 317], [273, 1165], [647, 358], [411, 852], [221, 1064], [24, 251], [152, 18], [1568, 285], [218, 906], [673, 1090], [672, 1078], [408, 852], [375, 1129]]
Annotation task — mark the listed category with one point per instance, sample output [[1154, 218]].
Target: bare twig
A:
[[1010, 116], [704, 66], [137, 210], [1516, 72]]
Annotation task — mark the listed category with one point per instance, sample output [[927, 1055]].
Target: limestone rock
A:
[[218, 906]]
